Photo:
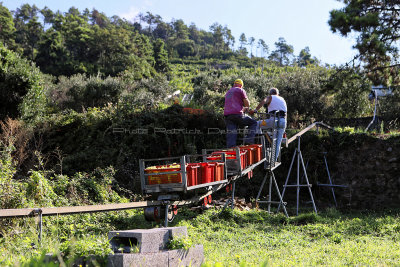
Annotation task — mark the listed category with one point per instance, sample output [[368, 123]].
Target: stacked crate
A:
[[196, 173]]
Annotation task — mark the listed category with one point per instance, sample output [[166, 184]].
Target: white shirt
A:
[[277, 103]]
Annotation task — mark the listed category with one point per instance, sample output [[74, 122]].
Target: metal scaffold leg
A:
[[331, 184], [232, 199], [272, 180], [300, 162]]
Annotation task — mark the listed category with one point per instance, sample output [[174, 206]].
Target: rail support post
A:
[[272, 180], [40, 223], [232, 199], [166, 214], [300, 161]]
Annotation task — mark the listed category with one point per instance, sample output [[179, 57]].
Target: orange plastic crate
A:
[[164, 178], [207, 172], [257, 152], [250, 154], [193, 174], [231, 155], [219, 171]]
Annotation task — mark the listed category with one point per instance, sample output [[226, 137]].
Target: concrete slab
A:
[[159, 259], [180, 231], [139, 241], [193, 257], [144, 240]]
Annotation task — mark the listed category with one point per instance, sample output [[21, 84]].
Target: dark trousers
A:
[[235, 121]]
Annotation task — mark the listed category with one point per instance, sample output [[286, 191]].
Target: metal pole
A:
[[166, 215], [373, 118], [233, 195], [308, 184], [279, 194], [287, 177], [298, 175], [40, 223], [262, 186], [330, 180], [270, 193]]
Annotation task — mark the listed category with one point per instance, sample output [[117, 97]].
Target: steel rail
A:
[[53, 211], [308, 128], [26, 212]]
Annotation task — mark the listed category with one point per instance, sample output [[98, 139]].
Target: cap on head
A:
[[239, 82]]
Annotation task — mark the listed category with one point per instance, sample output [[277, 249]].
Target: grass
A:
[[230, 238], [256, 238]]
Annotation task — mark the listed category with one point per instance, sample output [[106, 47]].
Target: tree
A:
[[263, 47], [283, 52], [160, 57], [151, 19], [251, 43], [99, 19], [305, 59], [181, 30], [377, 24], [21, 90], [7, 28], [48, 15], [28, 29], [218, 35], [242, 40], [163, 31], [228, 38]]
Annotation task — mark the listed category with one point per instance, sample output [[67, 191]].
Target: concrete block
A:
[[159, 259], [175, 232], [193, 257], [139, 241], [144, 240]]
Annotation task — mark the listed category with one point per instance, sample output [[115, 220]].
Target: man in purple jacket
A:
[[236, 103]]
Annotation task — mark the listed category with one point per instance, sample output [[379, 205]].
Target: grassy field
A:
[[230, 238], [256, 238]]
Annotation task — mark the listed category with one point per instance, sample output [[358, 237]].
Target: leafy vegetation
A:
[[85, 96], [376, 25], [231, 238]]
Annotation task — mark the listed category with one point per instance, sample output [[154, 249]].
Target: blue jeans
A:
[[234, 121], [280, 127]]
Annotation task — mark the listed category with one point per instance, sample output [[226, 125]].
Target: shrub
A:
[[79, 92], [21, 89]]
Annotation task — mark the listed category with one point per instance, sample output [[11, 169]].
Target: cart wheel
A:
[[209, 199], [175, 209], [152, 214], [227, 188], [172, 211]]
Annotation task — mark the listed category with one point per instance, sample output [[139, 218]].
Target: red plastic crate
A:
[[164, 178], [257, 152], [231, 155], [219, 171], [207, 172], [250, 154], [193, 173]]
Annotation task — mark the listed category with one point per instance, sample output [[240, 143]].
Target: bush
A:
[[79, 92], [21, 90]]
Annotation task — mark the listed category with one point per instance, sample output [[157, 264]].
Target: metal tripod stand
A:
[[297, 153], [270, 165], [272, 180]]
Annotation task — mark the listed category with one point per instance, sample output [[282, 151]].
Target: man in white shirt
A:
[[276, 105]]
